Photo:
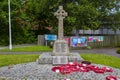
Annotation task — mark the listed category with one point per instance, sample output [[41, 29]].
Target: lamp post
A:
[[10, 36]]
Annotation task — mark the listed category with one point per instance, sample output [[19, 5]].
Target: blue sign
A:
[[78, 41], [50, 37], [75, 40]]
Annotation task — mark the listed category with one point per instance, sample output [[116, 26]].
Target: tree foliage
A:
[[28, 14]]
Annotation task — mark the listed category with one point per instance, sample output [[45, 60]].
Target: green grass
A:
[[28, 49], [8, 59], [102, 59]]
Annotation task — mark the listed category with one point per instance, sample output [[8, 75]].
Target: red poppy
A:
[[84, 65], [65, 70], [75, 68], [99, 71], [84, 69], [92, 67], [56, 68], [80, 65], [66, 66], [73, 63], [108, 69], [111, 77]]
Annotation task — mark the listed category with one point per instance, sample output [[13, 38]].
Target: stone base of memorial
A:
[[60, 52], [60, 55], [47, 58]]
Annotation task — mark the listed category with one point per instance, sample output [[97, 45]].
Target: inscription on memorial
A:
[[64, 46], [58, 47], [60, 60], [63, 59], [61, 47], [55, 60]]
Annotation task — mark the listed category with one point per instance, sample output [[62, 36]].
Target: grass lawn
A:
[[8, 59], [28, 49], [102, 59]]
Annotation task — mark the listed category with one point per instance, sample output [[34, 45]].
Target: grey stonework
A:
[[74, 57], [58, 60], [35, 71], [46, 58], [60, 49], [60, 14]]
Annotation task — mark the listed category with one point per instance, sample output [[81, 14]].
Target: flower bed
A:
[[84, 66]]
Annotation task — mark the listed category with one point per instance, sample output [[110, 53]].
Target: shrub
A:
[[88, 47], [118, 51]]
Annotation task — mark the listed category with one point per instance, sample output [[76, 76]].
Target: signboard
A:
[[78, 41], [50, 37]]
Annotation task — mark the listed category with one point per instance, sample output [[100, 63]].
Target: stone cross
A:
[[60, 14]]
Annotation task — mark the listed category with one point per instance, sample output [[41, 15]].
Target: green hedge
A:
[[118, 51]]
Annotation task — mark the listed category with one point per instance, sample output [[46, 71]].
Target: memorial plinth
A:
[[60, 54]]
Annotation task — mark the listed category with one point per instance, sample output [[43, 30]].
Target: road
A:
[[108, 51]]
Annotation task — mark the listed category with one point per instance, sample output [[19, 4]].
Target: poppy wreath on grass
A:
[[84, 66]]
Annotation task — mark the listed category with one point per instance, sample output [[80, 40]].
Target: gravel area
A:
[[35, 71]]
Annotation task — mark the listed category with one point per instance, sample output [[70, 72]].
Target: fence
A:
[[108, 41], [99, 31]]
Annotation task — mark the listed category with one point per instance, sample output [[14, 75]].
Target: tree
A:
[[28, 14], [109, 9], [82, 15], [20, 29], [3, 23]]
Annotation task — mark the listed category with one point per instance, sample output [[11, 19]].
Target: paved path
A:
[[108, 51], [16, 46]]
